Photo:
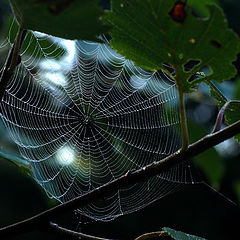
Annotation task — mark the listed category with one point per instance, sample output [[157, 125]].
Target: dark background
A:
[[196, 209]]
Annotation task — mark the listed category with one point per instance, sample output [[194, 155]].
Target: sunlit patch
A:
[[65, 63], [50, 65], [65, 155], [228, 148], [71, 50], [56, 78]]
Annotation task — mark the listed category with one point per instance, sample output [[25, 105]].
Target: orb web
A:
[[90, 116]]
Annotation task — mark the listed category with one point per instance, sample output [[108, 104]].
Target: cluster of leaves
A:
[[69, 19]]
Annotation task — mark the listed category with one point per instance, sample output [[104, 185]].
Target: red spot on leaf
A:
[[178, 13]]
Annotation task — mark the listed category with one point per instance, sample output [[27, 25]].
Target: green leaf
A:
[[178, 235], [217, 94], [232, 115], [148, 33], [38, 47], [71, 19], [42, 47], [201, 8]]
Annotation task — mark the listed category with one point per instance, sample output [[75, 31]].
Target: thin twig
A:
[[140, 175], [152, 235], [71, 233], [12, 61]]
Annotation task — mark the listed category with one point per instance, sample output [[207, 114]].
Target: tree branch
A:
[[42, 220]]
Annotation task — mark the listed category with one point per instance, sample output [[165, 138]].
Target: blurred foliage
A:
[[210, 162], [62, 18], [231, 9], [236, 185]]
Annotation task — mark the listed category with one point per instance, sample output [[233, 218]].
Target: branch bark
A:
[[43, 219]]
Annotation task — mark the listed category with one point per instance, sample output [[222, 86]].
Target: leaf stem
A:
[[183, 116], [12, 61]]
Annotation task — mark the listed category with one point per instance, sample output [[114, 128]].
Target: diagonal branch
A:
[[42, 220]]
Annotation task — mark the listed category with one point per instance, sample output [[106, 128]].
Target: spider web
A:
[[90, 117]]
